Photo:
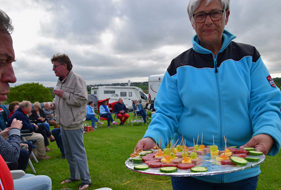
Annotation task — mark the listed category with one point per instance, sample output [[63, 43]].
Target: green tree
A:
[[30, 91]]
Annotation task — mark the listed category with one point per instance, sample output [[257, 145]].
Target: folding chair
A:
[[137, 118], [25, 133]]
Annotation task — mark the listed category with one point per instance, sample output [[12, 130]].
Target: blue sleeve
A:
[[264, 108], [89, 111], [134, 106], [102, 110], [168, 107]]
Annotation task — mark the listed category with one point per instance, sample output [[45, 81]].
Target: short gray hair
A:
[[5, 23], [24, 104], [194, 4]]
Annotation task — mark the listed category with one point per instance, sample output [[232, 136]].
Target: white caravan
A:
[[154, 82], [127, 93]]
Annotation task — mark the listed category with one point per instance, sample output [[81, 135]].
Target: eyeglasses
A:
[[214, 15], [55, 66]]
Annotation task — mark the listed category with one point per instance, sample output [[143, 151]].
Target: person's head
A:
[[91, 103], [37, 106], [47, 106], [104, 102], [120, 100], [136, 102], [13, 106], [26, 106], [209, 28], [61, 65], [7, 56]]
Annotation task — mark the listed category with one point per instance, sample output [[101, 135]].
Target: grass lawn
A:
[[108, 149]]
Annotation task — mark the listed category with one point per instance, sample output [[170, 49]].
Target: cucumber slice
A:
[[148, 151], [141, 167], [232, 147], [255, 153], [199, 169], [137, 160], [168, 169], [251, 159], [238, 160], [143, 154], [249, 148]]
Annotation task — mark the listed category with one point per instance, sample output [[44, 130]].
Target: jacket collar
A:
[[69, 74], [227, 38]]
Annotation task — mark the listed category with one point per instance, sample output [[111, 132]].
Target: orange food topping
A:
[[201, 146], [139, 150], [134, 154], [168, 158], [186, 159], [226, 150], [159, 153], [223, 156], [155, 147]]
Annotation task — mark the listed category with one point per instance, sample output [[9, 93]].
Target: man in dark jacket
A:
[[120, 109], [21, 114]]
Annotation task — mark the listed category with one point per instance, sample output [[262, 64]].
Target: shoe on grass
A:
[[62, 157], [43, 157], [114, 123]]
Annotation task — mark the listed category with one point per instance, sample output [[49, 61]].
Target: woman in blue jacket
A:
[[104, 112], [221, 88], [91, 115]]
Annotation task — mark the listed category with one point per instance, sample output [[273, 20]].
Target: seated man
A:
[[138, 107], [50, 115], [91, 115], [120, 109], [21, 114]]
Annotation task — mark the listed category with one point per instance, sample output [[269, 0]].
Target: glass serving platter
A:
[[214, 167]]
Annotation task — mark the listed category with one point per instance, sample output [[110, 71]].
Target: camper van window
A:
[[143, 96], [130, 94], [95, 92], [123, 94], [109, 92]]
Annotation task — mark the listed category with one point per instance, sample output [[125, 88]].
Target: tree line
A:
[[35, 92]]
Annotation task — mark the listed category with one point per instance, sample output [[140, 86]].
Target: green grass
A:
[[108, 149]]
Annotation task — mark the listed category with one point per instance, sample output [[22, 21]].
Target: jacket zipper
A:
[[72, 114], [57, 107], [220, 109]]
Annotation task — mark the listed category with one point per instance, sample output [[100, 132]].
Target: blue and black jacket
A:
[[229, 95]]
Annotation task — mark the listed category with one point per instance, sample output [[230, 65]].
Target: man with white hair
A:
[[220, 88], [21, 114]]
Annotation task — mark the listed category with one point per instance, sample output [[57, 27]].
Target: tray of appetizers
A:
[[187, 162]]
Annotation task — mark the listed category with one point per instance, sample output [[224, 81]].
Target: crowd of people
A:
[[239, 100]]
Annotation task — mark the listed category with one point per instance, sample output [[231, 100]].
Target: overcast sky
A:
[[112, 41]]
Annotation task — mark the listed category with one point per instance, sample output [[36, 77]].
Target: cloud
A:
[[119, 40]]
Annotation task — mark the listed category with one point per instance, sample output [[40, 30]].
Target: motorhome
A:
[[127, 93], [154, 82]]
